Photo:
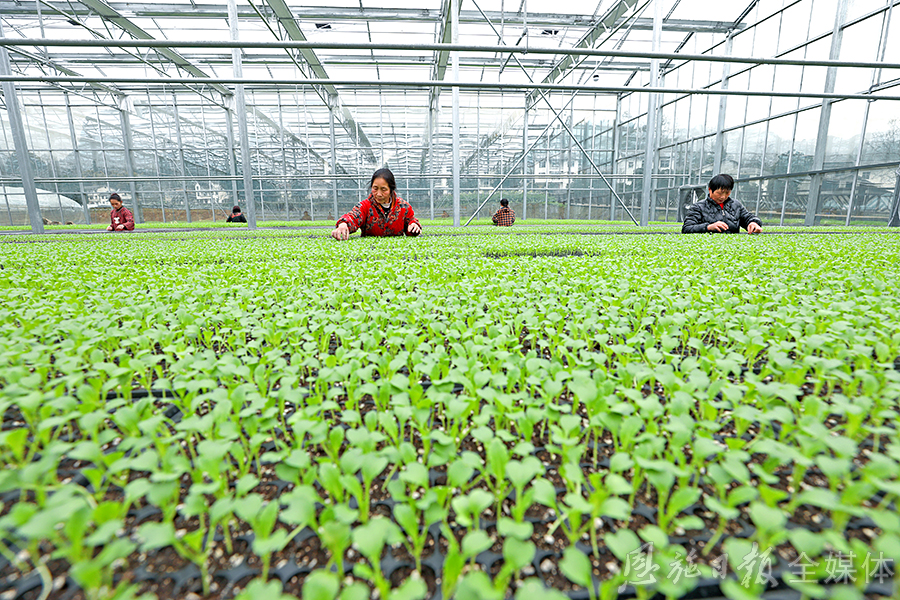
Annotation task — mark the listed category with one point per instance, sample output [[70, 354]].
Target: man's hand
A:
[[109, 228], [718, 227], [414, 228], [341, 232], [754, 227]]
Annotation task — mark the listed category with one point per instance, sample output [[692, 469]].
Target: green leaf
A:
[[257, 589], [506, 527], [654, 535], [475, 542], [518, 553], [320, 585], [413, 588], [156, 535], [371, 538], [459, 473], [476, 586], [533, 589], [355, 591], [415, 474], [683, 498], [615, 508], [576, 566], [622, 542]]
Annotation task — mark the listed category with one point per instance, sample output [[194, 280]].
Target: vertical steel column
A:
[[284, 191], [525, 163], [454, 57], [125, 121], [813, 203], [229, 139], [212, 195], [859, 149], [162, 204], [593, 156], [547, 181], [478, 150], [615, 151], [78, 171], [876, 78], [334, 191], [187, 204], [62, 219], [241, 107], [431, 158], [723, 102], [18, 134], [309, 189], [653, 101], [570, 164]]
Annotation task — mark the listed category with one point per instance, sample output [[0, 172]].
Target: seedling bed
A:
[[416, 418]]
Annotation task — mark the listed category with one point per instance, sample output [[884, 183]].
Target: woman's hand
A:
[[341, 232], [754, 227], [414, 229], [109, 228]]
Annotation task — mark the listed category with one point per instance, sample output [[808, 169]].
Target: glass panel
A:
[[882, 142], [814, 77], [822, 17], [734, 113], [859, 43], [892, 48], [834, 198], [874, 195], [754, 141], [747, 193], [787, 79], [805, 140], [844, 130], [731, 149], [858, 8], [794, 193], [778, 145], [793, 18]]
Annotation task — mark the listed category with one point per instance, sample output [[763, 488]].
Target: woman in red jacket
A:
[[120, 218], [383, 213]]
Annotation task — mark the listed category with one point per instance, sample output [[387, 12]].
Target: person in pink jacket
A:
[[120, 218]]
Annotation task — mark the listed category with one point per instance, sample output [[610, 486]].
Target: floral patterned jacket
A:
[[372, 219]]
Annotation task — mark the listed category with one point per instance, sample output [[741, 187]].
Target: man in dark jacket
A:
[[718, 213]]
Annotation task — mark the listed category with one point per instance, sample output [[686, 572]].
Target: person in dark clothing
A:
[[120, 218], [236, 216], [718, 213], [504, 217]]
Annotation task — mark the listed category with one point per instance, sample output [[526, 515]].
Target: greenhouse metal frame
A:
[[188, 108]]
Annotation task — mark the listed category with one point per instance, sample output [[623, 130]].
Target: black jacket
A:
[[707, 212], [236, 218]]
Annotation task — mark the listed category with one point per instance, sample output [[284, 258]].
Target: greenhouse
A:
[[349, 300]]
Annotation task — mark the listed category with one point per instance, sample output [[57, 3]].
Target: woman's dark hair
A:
[[504, 202], [115, 196], [236, 209], [385, 173], [721, 182]]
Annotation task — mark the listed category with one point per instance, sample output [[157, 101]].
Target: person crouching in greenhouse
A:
[[382, 213], [718, 213], [120, 218], [504, 217]]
